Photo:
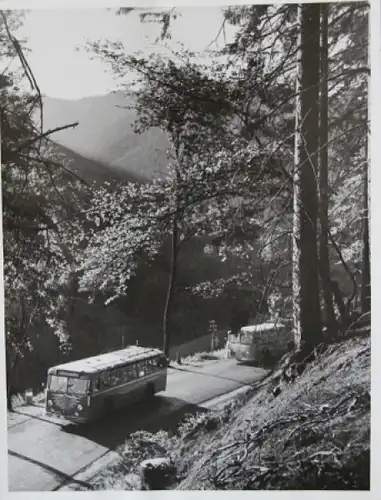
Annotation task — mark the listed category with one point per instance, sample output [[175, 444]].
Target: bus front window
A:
[[77, 386], [57, 384], [246, 338]]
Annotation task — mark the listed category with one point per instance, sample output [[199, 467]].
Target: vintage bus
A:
[[260, 343], [83, 390]]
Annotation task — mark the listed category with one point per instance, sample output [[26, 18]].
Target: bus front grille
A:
[[64, 403]]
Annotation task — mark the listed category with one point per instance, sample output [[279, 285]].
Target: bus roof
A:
[[108, 360], [263, 327]]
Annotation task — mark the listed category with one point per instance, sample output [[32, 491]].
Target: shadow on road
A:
[[52, 470], [111, 431]]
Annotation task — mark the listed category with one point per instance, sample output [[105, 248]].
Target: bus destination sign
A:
[[65, 373]]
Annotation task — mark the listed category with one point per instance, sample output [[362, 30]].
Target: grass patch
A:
[[124, 473], [19, 400]]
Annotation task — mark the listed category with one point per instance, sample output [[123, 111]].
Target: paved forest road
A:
[[43, 456]]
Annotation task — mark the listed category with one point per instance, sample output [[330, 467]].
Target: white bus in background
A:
[[260, 343], [86, 389]]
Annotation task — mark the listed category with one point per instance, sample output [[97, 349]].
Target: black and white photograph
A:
[[186, 246]]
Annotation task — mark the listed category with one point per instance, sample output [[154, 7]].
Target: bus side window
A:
[[155, 364], [148, 366], [115, 377], [151, 365], [129, 373], [96, 384], [125, 374], [141, 369], [105, 380], [118, 376]]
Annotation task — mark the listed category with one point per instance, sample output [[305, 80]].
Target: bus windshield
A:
[[58, 384], [77, 386], [68, 385], [246, 338]]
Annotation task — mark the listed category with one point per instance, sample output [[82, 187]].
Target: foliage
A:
[[84, 260], [41, 199], [230, 127], [213, 173], [141, 445]]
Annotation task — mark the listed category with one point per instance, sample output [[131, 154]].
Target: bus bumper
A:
[[69, 418], [243, 356]]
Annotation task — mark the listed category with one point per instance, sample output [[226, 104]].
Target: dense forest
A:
[[262, 211]]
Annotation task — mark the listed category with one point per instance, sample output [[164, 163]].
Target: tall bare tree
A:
[[366, 290], [324, 268], [307, 316], [366, 286]]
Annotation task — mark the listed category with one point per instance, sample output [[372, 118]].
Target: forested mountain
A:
[[92, 170], [105, 134]]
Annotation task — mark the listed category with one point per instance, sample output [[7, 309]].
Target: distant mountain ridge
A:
[[105, 133], [92, 170]]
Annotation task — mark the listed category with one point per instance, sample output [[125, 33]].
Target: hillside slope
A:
[[92, 170], [105, 133], [313, 433]]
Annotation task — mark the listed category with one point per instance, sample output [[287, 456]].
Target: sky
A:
[[64, 72]]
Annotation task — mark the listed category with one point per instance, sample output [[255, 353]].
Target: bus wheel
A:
[[266, 356], [108, 407], [149, 392]]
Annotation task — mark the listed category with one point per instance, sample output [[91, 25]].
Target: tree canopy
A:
[[217, 236]]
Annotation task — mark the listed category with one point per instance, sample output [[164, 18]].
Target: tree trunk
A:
[[170, 292], [340, 304], [365, 287], [329, 314], [9, 399], [9, 394], [10, 384], [306, 304]]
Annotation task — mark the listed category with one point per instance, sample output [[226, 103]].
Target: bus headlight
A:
[[50, 402], [79, 407]]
